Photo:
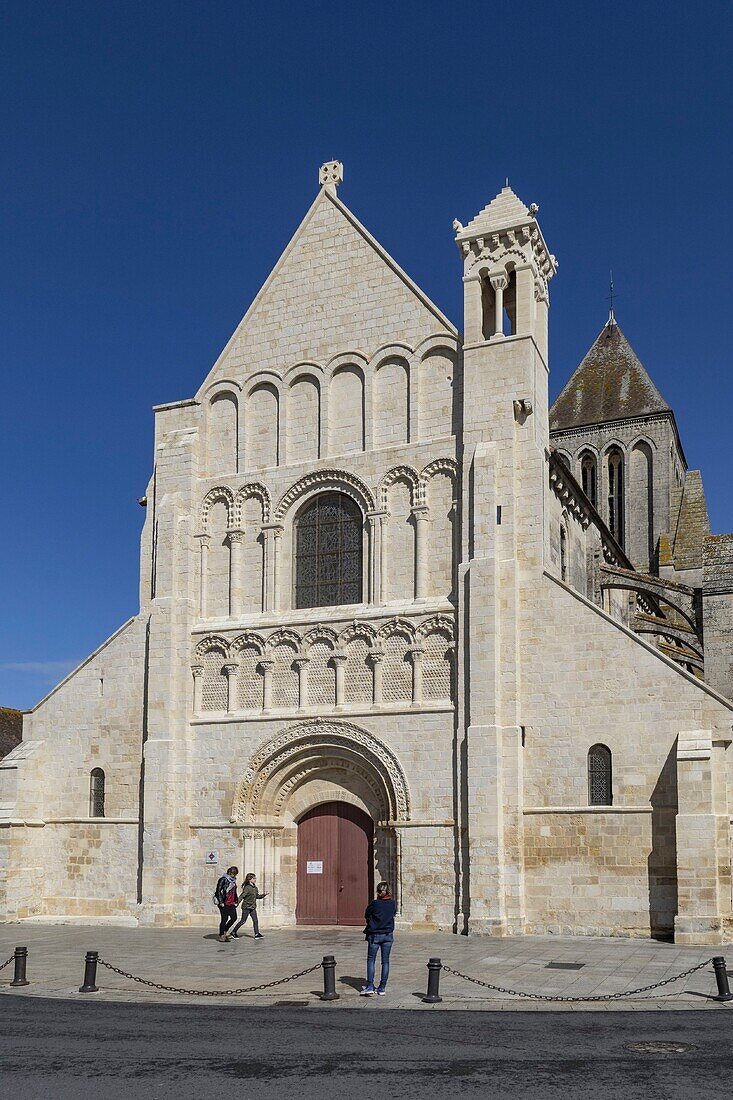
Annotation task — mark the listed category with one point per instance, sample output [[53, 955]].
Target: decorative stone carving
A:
[[219, 494], [400, 473], [351, 744], [260, 492], [339, 480]]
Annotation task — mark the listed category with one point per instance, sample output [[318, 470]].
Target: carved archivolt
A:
[[321, 634], [212, 644], [259, 492], [436, 622], [358, 630], [324, 480], [400, 473], [283, 761], [283, 637], [248, 640], [396, 626], [220, 494], [439, 466], [355, 630]]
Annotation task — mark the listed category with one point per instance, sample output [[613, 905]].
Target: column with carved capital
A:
[[197, 672], [236, 572], [376, 536], [267, 664], [416, 653], [204, 542], [301, 663], [422, 515], [376, 657], [499, 282], [231, 674], [273, 537], [339, 661]]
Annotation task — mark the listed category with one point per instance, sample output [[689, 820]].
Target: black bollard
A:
[[432, 997], [329, 979], [721, 977], [21, 957], [90, 973]]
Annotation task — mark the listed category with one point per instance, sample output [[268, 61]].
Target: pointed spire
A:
[[611, 314], [503, 212], [610, 384]]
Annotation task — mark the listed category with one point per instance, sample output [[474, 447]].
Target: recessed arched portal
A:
[[335, 864], [329, 792]]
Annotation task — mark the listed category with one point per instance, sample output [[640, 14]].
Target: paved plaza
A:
[[193, 958]]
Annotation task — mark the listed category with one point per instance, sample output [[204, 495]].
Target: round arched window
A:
[[328, 552]]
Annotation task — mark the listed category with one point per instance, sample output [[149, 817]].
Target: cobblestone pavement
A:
[[193, 958]]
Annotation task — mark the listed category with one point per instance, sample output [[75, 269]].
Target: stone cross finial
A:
[[331, 174]]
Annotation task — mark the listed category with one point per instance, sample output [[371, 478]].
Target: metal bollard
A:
[[432, 997], [329, 979], [21, 957], [90, 973], [721, 977]]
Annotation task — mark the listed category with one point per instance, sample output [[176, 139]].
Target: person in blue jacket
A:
[[379, 934]]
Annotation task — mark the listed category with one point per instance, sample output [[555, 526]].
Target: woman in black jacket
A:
[[379, 934]]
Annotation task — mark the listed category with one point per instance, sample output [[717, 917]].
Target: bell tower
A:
[[507, 268]]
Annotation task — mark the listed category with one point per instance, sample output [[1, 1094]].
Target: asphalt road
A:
[[58, 1050]]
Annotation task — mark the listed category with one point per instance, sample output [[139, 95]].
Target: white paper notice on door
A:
[[314, 867]]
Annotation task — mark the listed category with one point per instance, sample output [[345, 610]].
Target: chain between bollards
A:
[[432, 997], [90, 973], [329, 979], [21, 958], [721, 978]]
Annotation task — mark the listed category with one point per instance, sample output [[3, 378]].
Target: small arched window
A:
[[616, 495], [96, 793], [563, 553], [600, 790], [588, 477], [328, 552]]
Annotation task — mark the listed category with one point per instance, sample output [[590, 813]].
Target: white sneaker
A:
[[367, 992], [381, 992]]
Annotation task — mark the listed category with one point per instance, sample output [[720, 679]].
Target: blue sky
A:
[[158, 156]]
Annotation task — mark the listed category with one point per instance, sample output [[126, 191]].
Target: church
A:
[[399, 619]]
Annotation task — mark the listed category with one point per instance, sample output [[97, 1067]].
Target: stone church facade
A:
[[396, 620]]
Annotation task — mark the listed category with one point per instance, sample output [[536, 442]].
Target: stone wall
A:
[[94, 719], [621, 694]]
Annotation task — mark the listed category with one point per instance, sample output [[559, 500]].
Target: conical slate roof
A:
[[503, 211], [610, 384]]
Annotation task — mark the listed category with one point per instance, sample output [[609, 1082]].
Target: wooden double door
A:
[[335, 864]]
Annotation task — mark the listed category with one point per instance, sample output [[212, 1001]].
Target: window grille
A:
[[328, 553], [96, 793], [600, 792]]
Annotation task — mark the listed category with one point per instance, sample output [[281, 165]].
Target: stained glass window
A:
[[600, 792], [96, 793], [328, 552]]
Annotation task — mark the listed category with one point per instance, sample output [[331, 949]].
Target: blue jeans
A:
[[378, 941]]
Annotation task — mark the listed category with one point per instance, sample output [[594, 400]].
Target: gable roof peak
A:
[[611, 383]]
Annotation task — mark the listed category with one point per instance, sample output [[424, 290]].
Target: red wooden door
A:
[[334, 865]]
